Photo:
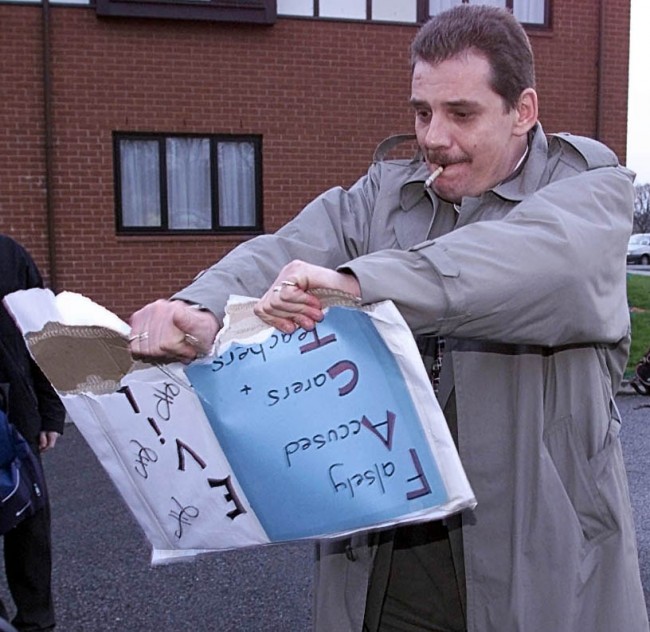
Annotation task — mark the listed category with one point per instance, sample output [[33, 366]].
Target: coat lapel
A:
[[412, 225]]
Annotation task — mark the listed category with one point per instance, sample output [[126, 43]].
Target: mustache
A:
[[444, 160]]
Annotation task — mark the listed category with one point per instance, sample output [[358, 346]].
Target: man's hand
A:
[[288, 305], [47, 440], [172, 330]]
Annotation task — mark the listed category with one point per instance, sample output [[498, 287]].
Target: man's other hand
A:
[[288, 304], [47, 440], [172, 331]]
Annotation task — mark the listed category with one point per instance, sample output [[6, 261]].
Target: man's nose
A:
[[438, 134]]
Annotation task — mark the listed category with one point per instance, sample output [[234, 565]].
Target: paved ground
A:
[[104, 583], [635, 436]]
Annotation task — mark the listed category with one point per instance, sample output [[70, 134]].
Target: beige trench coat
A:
[[529, 291]]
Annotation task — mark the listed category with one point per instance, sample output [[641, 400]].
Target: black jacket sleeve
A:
[[33, 404]]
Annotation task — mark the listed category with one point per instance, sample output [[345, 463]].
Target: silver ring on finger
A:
[[192, 340]]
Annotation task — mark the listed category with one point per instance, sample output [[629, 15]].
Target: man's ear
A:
[[527, 112]]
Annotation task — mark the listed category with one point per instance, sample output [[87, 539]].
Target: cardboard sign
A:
[[278, 437]]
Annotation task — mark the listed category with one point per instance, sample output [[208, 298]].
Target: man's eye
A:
[[460, 115], [423, 115]]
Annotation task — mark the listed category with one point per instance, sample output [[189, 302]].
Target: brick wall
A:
[[22, 173], [322, 94]]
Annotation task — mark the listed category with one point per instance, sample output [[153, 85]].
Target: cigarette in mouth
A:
[[432, 177]]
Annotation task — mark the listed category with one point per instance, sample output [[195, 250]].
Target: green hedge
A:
[[638, 298]]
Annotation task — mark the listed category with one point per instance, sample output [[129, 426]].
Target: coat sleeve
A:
[[50, 407], [329, 231], [551, 272]]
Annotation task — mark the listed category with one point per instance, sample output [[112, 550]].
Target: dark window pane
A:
[[188, 183], [140, 183], [236, 184]]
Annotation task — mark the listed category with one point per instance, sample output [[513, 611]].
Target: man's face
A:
[[463, 125]]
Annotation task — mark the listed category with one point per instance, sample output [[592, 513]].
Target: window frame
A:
[[164, 229], [239, 11], [422, 14]]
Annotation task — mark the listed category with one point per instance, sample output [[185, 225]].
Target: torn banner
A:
[[278, 437]]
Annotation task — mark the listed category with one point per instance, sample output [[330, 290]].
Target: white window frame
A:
[[533, 13]]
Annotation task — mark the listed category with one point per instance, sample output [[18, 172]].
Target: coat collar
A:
[[526, 180]]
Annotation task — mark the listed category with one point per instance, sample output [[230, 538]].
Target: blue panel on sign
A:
[[320, 429]]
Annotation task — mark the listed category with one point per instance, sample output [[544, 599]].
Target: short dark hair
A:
[[489, 31]]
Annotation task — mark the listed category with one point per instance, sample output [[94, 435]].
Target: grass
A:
[[638, 298]]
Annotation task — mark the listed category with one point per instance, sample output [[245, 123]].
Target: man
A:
[[536, 334], [38, 414]]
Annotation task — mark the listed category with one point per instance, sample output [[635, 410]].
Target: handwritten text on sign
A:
[[144, 455], [159, 440], [329, 437]]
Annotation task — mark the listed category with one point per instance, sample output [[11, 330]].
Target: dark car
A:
[[638, 249]]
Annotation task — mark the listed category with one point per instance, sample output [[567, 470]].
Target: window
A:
[[530, 12], [253, 11], [187, 183], [378, 10]]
